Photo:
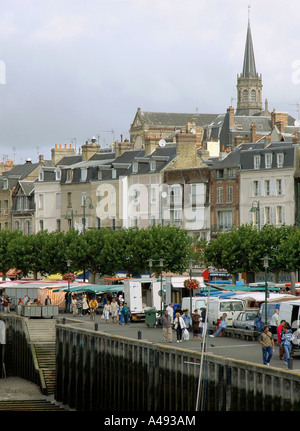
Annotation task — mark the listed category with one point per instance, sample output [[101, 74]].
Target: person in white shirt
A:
[[170, 311], [179, 325]]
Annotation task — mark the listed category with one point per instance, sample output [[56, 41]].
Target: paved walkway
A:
[[227, 347]]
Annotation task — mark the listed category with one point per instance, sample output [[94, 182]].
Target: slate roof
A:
[[248, 153], [249, 68], [172, 119]]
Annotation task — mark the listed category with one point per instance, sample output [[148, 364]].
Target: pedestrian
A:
[[187, 319], [73, 305], [170, 311], [79, 306], [222, 325], [114, 310], [166, 324], [274, 322], [267, 342], [106, 310], [85, 305], [203, 320], [126, 311], [179, 325], [279, 331], [48, 300], [93, 305], [287, 337], [120, 313], [196, 319]]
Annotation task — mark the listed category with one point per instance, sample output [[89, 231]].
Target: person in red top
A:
[[279, 330]]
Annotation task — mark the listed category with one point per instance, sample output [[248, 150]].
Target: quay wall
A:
[[99, 371]]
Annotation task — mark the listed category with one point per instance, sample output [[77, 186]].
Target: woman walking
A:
[[179, 325]]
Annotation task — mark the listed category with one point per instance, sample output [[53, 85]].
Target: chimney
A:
[[230, 111], [58, 153], [253, 132], [120, 147], [88, 150], [41, 158], [186, 148], [267, 140], [151, 143]]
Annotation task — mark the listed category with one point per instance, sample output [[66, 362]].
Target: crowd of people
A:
[[280, 332], [183, 323], [109, 306]]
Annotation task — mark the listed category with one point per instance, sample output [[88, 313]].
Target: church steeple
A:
[[249, 69], [249, 83]]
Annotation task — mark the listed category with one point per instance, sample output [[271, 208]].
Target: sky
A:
[[74, 69]]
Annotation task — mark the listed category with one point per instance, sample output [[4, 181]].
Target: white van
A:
[[290, 312], [198, 302], [216, 308]]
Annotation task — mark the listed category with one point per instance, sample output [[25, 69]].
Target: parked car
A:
[[245, 320]]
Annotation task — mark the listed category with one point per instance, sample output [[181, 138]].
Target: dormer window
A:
[[268, 161], [83, 172], [256, 162], [69, 175], [99, 174], [57, 175], [280, 160], [152, 165], [114, 173], [5, 184], [41, 175], [135, 167]]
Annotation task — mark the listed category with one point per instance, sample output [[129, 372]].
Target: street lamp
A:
[[161, 264], [191, 301], [265, 260], [69, 297], [67, 217], [256, 209]]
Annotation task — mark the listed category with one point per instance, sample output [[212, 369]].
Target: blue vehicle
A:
[[260, 321]]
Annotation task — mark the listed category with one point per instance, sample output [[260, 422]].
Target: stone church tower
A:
[[249, 83]]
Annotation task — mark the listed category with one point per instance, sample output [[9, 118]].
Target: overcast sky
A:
[[80, 68]]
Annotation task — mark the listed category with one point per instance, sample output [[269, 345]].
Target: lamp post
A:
[[256, 209], [161, 264], [67, 217], [91, 206], [191, 300], [266, 266], [69, 297]]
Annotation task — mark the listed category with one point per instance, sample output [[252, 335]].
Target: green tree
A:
[[6, 258]]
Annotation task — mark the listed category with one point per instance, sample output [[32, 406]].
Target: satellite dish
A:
[[162, 143], [297, 123], [193, 131]]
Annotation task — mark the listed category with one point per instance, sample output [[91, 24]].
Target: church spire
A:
[[249, 83], [249, 69]]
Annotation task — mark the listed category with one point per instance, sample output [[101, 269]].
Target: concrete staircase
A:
[[41, 334], [29, 406]]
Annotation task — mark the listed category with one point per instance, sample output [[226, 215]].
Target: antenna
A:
[[298, 110]]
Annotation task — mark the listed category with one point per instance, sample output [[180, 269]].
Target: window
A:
[[280, 160], [152, 165], [245, 95], [220, 173], [225, 220], [58, 200], [229, 194], [99, 174], [6, 207], [5, 184], [256, 162], [256, 188], [57, 174], [279, 215], [253, 96], [83, 172], [268, 161], [279, 187], [41, 224], [220, 197], [267, 187], [176, 195], [114, 173], [69, 199], [231, 173], [135, 167], [41, 176], [58, 225], [41, 202], [69, 175], [28, 225], [267, 215]]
